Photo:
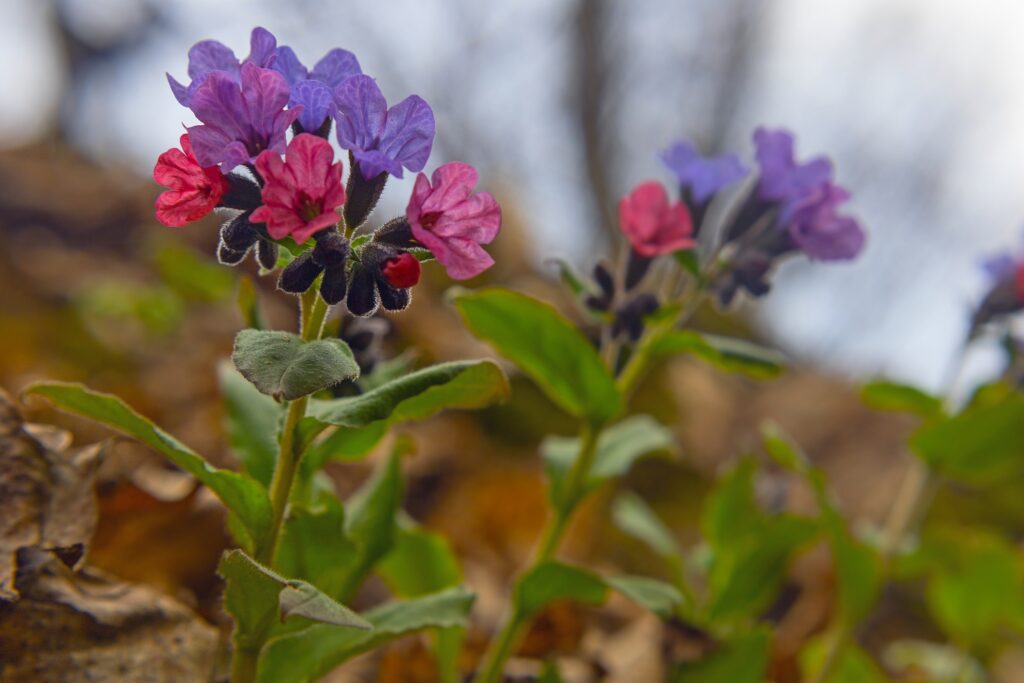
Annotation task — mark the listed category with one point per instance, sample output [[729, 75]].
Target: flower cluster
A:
[[1005, 295], [280, 192]]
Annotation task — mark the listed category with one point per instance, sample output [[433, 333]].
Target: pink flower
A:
[[452, 222], [302, 192], [652, 225], [193, 191]]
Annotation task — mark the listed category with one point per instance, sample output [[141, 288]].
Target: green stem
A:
[[502, 646], [243, 666]]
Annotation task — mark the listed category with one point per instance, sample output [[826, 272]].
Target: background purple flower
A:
[[314, 90], [782, 178], [240, 120], [379, 138], [819, 231], [703, 176], [209, 56]]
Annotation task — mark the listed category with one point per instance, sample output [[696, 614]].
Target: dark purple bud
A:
[[298, 276], [331, 249], [238, 234], [363, 194], [629, 319], [266, 254], [334, 285], [395, 233], [636, 267], [749, 271], [362, 292], [228, 256], [392, 298], [242, 193], [605, 281]]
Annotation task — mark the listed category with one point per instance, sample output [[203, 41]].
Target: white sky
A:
[[919, 102]]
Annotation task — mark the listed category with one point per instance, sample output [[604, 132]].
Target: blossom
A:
[[240, 120], [208, 56], [382, 276], [314, 90], [652, 225], [819, 231], [702, 176], [193, 190], [302, 191], [382, 139], [452, 221], [782, 178], [329, 257]]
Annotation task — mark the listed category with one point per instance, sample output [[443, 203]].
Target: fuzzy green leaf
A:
[[252, 423], [546, 346], [556, 581], [725, 353], [285, 366]]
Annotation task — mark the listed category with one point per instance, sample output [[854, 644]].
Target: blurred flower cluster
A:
[[279, 193]]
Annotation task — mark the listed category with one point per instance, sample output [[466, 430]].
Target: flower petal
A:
[[361, 113], [409, 133], [336, 66]]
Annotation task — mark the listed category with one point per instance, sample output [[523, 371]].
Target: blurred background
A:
[[564, 105]]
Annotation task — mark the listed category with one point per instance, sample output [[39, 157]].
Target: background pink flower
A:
[[302, 191], [193, 190], [652, 225], [452, 222]]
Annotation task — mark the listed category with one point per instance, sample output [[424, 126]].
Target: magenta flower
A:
[[193, 191], [702, 176], [452, 221], [240, 120], [382, 139], [314, 90], [816, 228], [208, 56], [652, 225], [301, 192], [782, 178]]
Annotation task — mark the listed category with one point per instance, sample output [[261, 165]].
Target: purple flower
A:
[[209, 56], [314, 90], [704, 176], [382, 139], [782, 178], [240, 119], [816, 228]]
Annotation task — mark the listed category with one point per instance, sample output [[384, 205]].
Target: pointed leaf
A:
[[632, 514], [241, 495], [418, 395], [882, 395], [618, 447], [546, 346], [283, 365], [314, 546], [743, 659], [725, 353], [306, 656], [556, 581], [420, 562], [659, 597]]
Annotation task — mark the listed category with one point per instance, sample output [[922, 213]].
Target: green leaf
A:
[[314, 546], [730, 355], [746, 574], [743, 659], [370, 523], [256, 595], [853, 666], [306, 656], [731, 511], [982, 445], [418, 395], [552, 581], [858, 567], [618, 447], [546, 346], [689, 260], [242, 495], [550, 673], [782, 449], [657, 596], [345, 444], [283, 365], [632, 514], [420, 562], [883, 395], [252, 423]]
